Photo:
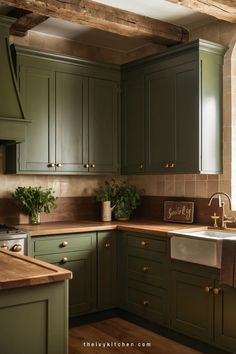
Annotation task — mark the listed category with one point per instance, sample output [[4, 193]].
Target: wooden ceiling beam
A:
[[221, 9], [25, 23], [107, 18]]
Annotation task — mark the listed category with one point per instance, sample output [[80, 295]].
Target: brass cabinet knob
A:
[[216, 291], [141, 166], [4, 247], [107, 245], [145, 269], [208, 289], [93, 165], [17, 248], [51, 164], [143, 243], [172, 165], [86, 165], [64, 260], [145, 302], [59, 164], [166, 165], [64, 243]]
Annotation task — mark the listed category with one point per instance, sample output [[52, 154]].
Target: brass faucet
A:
[[224, 218]]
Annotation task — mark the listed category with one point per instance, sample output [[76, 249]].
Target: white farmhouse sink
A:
[[201, 246]]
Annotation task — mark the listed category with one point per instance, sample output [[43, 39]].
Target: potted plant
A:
[[106, 195], [127, 198], [33, 200]]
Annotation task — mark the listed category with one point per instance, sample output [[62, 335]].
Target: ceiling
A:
[[157, 9]]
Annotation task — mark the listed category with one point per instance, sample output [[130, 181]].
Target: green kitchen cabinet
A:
[[107, 269], [132, 114], [182, 109], [200, 307], [77, 253], [74, 108], [145, 278], [34, 319]]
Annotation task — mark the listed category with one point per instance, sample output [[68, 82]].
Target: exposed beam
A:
[[107, 18], [221, 9], [25, 23]]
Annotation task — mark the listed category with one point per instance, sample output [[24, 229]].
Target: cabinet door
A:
[[71, 122], [160, 125], [133, 153], [107, 270], [103, 126], [225, 319], [192, 306], [37, 92], [187, 127]]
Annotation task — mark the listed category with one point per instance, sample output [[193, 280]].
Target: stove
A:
[[13, 239]]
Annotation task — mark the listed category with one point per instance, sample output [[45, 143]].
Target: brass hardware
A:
[[16, 248], [59, 164], [215, 218], [143, 243], [4, 247], [86, 165], [208, 289], [64, 243], [172, 165], [145, 302], [166, 165], [92, 165], [107, 244], [216, 291], [64, 260], [145, 269], [51, 164], [141, 166]]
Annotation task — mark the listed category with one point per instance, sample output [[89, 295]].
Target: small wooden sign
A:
[[178, 212]]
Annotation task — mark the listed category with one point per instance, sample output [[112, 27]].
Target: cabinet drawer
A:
[[147, 301], [147, 244], [63, 258], [147, 271], [63, 243]]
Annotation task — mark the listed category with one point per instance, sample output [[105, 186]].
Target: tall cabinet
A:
[[73, 105]]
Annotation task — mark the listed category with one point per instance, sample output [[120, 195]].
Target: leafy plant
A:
[[33, 200], [106, 192]]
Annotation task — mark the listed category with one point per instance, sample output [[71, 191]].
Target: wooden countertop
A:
[[22, 271], [141, 226]]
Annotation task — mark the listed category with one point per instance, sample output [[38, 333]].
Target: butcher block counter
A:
[[141, 226], [33, 306], [20, 271]]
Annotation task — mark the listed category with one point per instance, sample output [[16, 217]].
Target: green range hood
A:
[[12, 120]]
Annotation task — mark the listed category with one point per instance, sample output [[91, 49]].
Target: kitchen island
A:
[[33, 306]]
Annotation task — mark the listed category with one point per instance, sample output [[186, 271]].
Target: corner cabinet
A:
[[73, 105], [181, 110]]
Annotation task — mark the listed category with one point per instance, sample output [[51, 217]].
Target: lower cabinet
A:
[[145, 277], [34, 320], [201, 308], [77, 253]]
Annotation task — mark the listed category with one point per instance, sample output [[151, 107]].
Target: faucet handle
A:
[[215, 218]]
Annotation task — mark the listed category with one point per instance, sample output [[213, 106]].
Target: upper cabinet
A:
[[73, 106], [177, 116]]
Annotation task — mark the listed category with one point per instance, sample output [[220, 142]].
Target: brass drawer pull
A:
[[107, 245], [143, 243], [64, 260], [145, 269], [17, 248], [145, 302], [166, 165], [51, 165], [141, 166], [64, 244], [86, 165], [208, 289], [59, 164], [172, 165], [216, 291], [93, 165], [4, 247]]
